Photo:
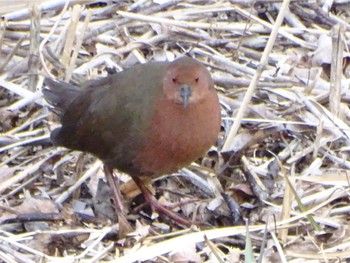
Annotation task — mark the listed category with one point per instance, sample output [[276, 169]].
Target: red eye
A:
[[174, 80]]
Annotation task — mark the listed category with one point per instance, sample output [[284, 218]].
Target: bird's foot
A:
[[164, 210], [180, 203], [159, 207]]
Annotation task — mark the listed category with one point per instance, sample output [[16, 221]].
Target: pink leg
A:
[[124, 226], [156, 206]]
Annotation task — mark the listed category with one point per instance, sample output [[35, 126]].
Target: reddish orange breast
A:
[[178, 135]]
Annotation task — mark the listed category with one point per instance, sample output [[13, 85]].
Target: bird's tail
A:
[[59, 94]]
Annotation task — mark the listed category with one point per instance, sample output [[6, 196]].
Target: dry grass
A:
[[276, 187]]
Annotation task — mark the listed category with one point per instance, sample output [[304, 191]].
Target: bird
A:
[[148, 120]]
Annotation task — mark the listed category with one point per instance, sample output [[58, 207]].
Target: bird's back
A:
[[108, 117]]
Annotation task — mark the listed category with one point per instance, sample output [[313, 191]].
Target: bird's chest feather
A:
[[177, 137]]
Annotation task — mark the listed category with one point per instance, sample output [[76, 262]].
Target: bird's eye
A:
[[174, 80], [197, 79]]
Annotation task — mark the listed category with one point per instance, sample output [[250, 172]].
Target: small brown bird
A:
[[149, 120]]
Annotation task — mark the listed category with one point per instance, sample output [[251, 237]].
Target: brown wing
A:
[[110, 117]]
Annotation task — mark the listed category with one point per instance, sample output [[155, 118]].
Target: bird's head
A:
[[187, 81]]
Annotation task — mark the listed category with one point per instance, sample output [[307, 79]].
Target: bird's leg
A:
[[114, 185], [124, 226], [156, 206]]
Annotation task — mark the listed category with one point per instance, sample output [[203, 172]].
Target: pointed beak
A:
[[185, 93]]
